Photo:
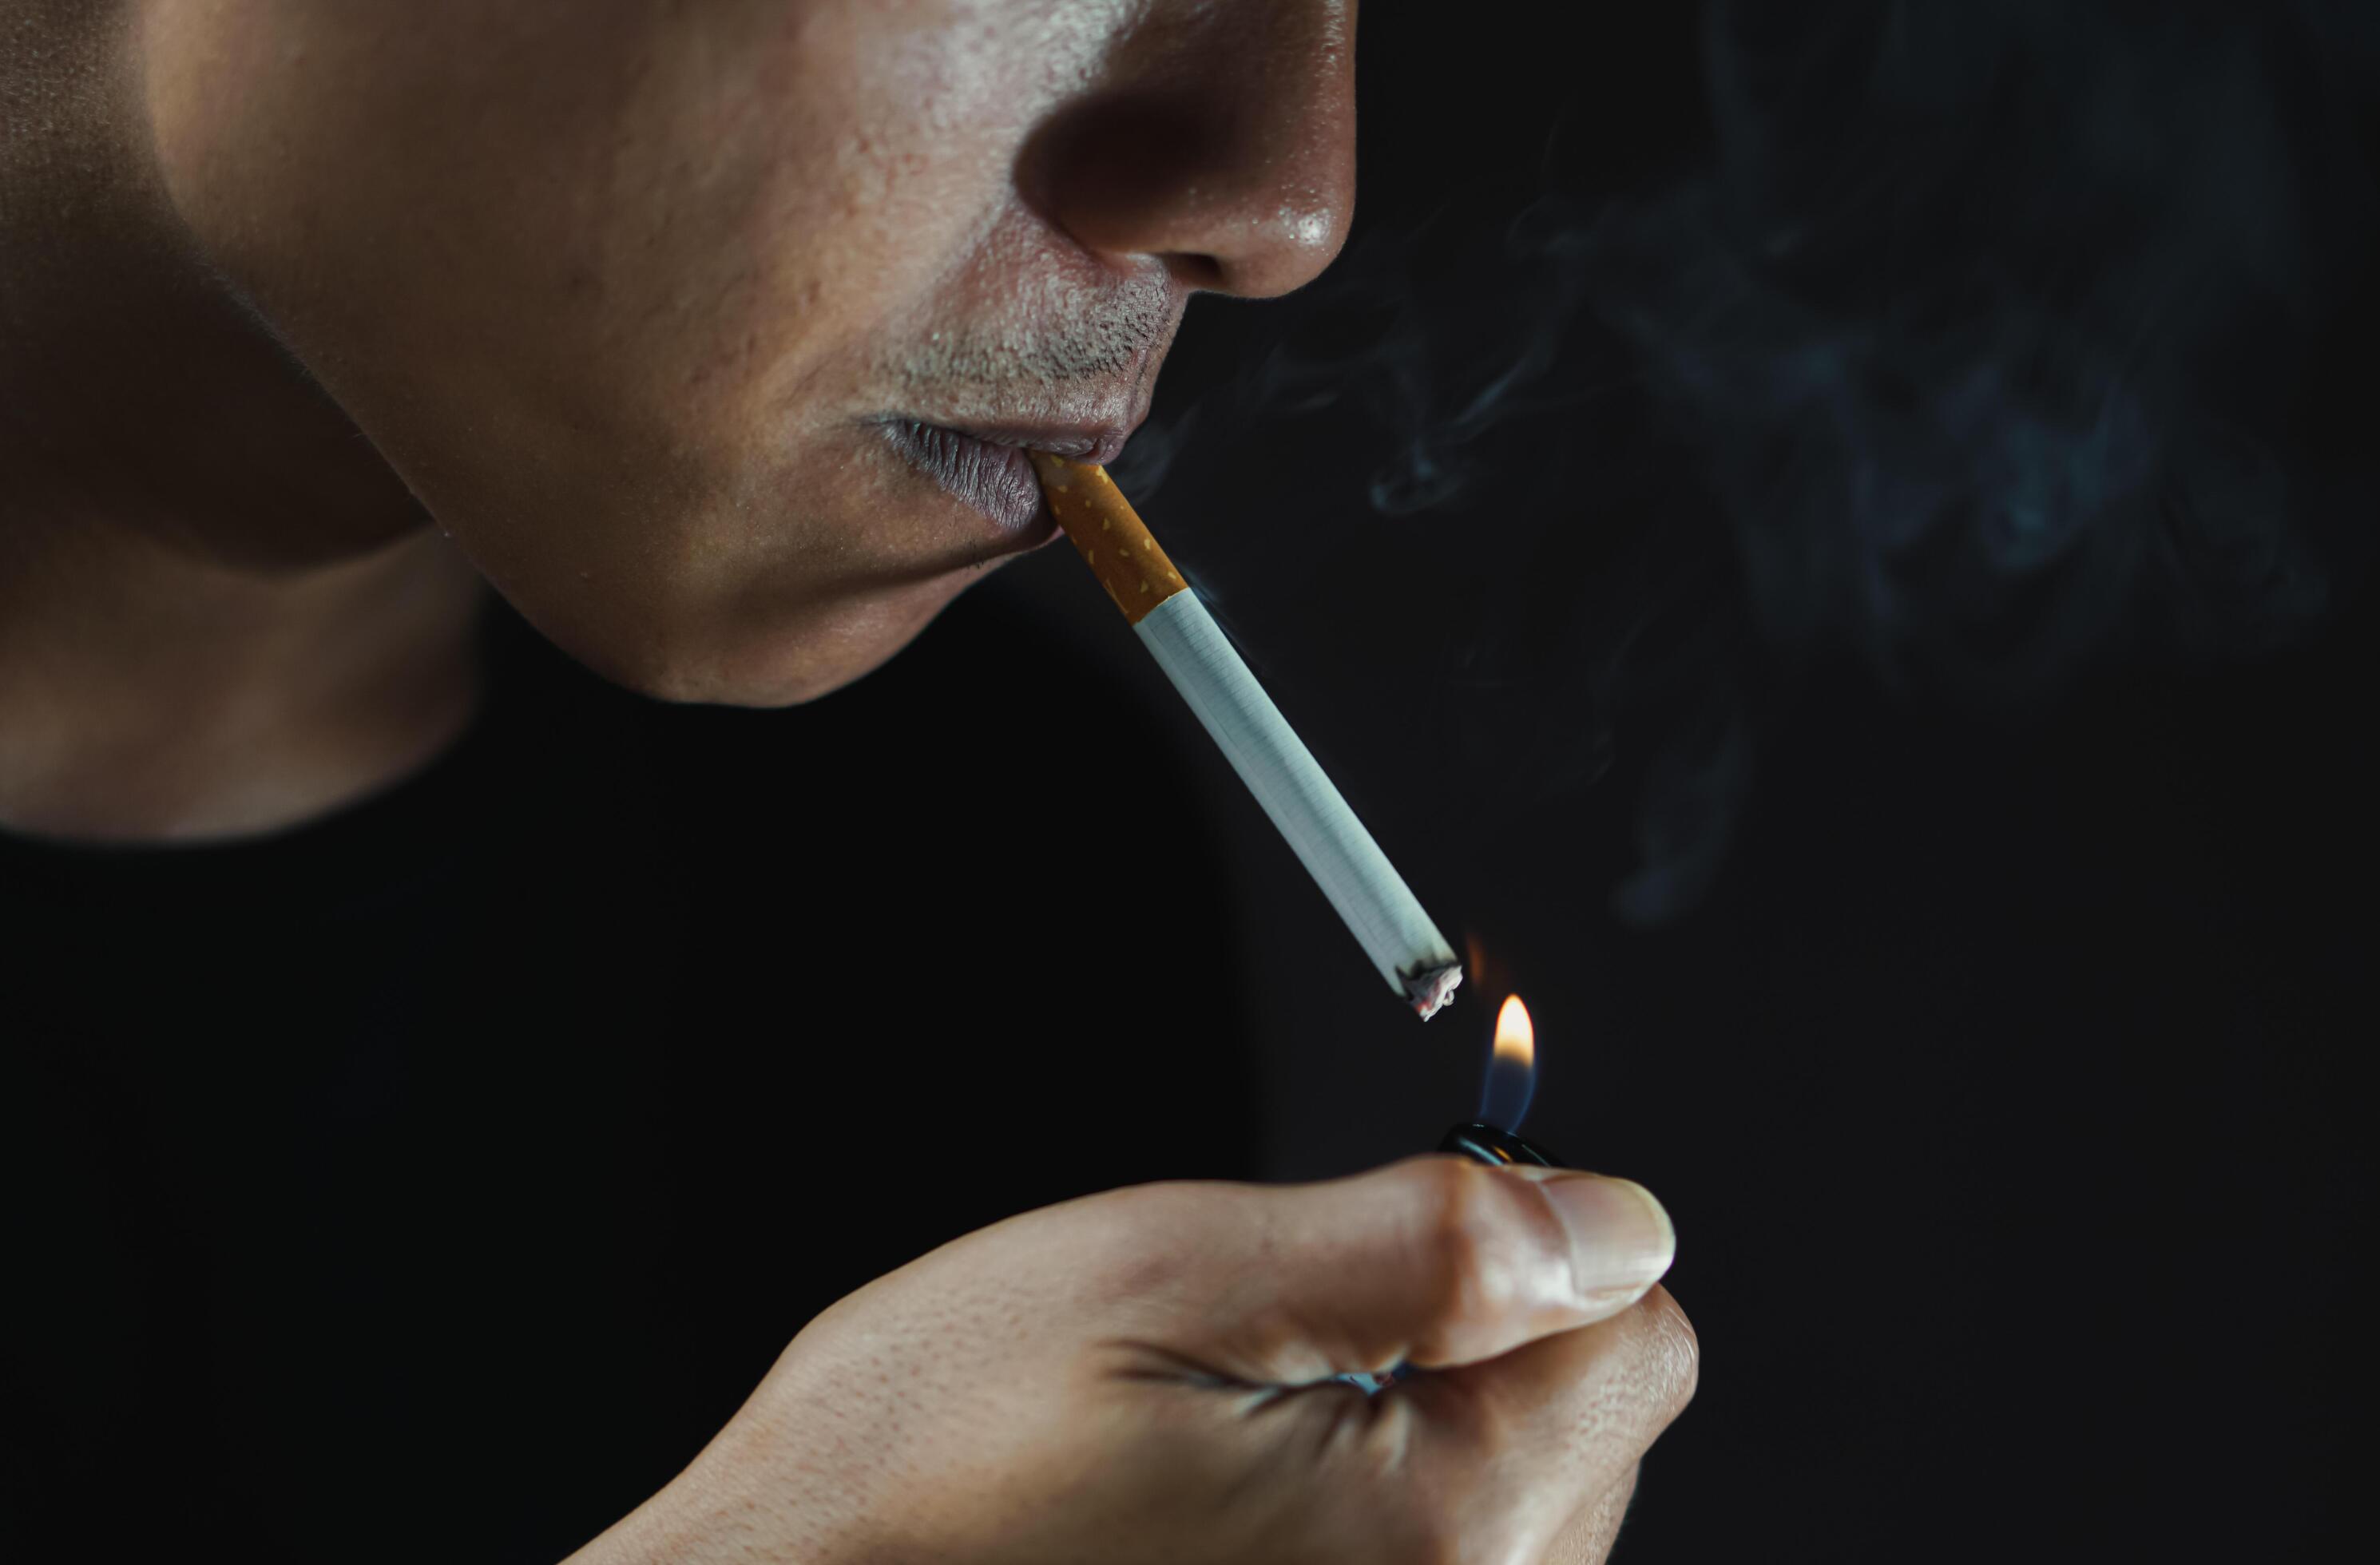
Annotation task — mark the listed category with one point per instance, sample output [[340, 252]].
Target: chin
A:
[[747, 656]]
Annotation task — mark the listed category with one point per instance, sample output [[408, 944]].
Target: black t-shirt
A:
[[437, 1177]]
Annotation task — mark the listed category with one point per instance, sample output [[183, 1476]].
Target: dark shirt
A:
[[436, 1178]]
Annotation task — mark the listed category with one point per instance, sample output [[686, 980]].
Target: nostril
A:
[[1199, 274], [1237, 189]]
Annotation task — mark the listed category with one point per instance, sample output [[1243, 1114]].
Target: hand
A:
[[1146, 1376]]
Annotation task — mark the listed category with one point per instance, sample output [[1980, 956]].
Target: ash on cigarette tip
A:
[[1430, 992]]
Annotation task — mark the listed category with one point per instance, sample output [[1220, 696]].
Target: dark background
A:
[[1832, 544]]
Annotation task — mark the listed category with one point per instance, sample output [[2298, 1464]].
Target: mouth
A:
[[987, 465]]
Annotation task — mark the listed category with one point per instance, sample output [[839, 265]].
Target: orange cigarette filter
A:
[[1109, 534]]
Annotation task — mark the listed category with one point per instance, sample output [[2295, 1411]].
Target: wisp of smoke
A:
[[1989, 346], [1985, 324]]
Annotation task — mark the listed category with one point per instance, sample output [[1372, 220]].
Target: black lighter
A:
[[1485, 1144]]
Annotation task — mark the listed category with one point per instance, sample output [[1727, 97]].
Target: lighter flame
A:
[[1516, 1040]]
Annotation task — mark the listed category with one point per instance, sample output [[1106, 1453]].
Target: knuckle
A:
[[1156, 1244], [1465, 1239], [1489, 1246], [1121, 1229]]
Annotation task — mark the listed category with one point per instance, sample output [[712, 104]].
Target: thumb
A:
[[1433, 1262]]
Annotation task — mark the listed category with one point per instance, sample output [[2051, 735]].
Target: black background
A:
[[462, 1164]]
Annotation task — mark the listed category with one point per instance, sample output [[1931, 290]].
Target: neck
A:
[[146, 697], [221, 614]]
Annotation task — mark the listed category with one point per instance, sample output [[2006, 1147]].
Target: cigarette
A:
[[1369, 894]]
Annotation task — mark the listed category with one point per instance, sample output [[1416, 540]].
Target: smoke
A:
[[1987, 324], [1440, 362], [1994, 344]]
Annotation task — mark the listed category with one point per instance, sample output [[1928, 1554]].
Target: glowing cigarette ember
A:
[[1266, 753]]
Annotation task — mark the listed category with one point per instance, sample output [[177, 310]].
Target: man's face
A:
[[708, 327]]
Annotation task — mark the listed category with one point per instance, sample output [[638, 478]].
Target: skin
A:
[[1144, 1375], [319, 317], [616, 292]]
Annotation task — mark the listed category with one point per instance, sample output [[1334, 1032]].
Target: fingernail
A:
[[1621, 1239]]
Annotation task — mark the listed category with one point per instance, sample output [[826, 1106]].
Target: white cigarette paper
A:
[[1195, 653], [1341, 856]]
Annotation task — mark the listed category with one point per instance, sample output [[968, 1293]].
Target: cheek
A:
[[604, 294], [652, 233], [485, 204]]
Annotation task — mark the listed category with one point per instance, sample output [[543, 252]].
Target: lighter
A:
[[1485, 1144]]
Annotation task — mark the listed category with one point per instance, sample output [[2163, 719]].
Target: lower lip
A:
[[995, 479]]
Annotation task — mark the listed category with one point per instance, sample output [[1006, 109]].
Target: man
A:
[[711, 335]]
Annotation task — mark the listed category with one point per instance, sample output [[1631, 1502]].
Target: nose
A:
[[1220, 139]]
